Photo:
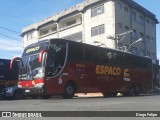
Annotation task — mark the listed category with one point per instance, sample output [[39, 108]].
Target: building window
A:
[[97, 30], [142, 35], [152, 39], [74, 37], [142, 53], [152, 23], [44, 32], [71, 22], [126, 28], [97, 11], [134, 50], [148, 54], [54, 29], [134, 34], [152, 55], [120, 25], [30, 36], [148, 37], [141, 18], [119, 5], [126, 9], [47, 30], [147, 21], [133, 15]]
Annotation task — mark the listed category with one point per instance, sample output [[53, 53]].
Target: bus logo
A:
[[108, 70], [32, 49]]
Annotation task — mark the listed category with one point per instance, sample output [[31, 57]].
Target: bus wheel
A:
[[132, 90], [69, 91], [138, 90], [106, 95], [113, 94]]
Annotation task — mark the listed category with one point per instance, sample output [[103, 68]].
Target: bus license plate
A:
[[27, 90]]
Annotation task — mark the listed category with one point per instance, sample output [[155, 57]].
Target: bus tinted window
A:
[[105, 56], [76, 51], [141, 62], [119, 58], [56, 57], [92, 54]]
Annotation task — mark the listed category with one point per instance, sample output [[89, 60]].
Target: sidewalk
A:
[[89, 95]]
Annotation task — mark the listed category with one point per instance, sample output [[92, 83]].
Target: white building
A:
[[92, 21]]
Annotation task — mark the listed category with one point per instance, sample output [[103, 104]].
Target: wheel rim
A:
[[70, 90]]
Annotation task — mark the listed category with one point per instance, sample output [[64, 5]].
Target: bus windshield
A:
[[31, 67]]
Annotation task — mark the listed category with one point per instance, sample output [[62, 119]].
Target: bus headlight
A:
[[19, 86], [39, 85]]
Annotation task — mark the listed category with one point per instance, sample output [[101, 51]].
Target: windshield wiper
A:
[[30, 71]]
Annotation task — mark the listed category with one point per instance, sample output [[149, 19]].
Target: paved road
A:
[[140, 103]]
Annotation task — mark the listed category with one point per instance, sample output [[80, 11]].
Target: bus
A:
[[64, 67], [9, 80]]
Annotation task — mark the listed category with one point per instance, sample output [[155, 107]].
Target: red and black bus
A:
[[64, 67]]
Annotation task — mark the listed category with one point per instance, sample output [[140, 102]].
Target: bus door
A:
[[56, 60]]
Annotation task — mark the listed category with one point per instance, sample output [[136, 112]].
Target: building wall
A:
[[107, 19], [138, 23]]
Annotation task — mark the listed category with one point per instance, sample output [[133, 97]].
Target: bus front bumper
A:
[[33, 91]]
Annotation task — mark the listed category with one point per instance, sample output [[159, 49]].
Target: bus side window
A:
[[56, 58], [91, 54], [106, 56], [52, 62], [76, 51]]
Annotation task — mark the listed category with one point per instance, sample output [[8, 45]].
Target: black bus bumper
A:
[[31, 92]]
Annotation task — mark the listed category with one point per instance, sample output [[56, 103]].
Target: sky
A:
[[17, 14]]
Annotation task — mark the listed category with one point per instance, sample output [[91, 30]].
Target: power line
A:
[[10, 30], [9, 37], [10, 45], [12, 16]]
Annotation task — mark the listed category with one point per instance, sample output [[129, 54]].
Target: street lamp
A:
[[117, 39], [139, 40], [100, 43]]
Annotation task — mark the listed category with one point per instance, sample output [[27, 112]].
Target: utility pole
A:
[[117, 39]]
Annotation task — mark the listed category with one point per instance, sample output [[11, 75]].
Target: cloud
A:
[[10, 48], [10, 45]]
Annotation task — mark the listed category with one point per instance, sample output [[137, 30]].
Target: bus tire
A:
[[109, 94], [69, 91], [105, 95], [132, 90], [138, 90], [113, 94]]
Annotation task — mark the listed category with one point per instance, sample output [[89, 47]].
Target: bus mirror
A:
[[40, 57], [16, 59]]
